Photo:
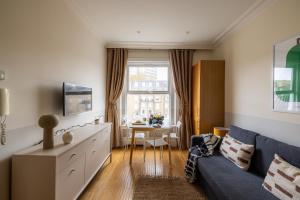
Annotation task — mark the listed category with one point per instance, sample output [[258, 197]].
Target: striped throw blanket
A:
[[205, 148]]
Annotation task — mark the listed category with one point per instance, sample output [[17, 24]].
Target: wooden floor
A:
[[116, 180]]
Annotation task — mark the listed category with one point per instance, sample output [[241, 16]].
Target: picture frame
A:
[[286, 75]]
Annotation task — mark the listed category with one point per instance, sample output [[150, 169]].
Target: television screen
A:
[[77, 99]]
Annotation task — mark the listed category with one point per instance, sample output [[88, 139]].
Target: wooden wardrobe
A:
[[208, 95]]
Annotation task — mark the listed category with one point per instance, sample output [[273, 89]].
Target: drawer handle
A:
[[94, 151], [74, 154], [94, 140], [72, 171]]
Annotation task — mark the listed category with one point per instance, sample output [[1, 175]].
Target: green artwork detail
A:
[[291, 93]]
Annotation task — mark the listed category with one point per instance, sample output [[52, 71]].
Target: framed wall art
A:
[[286, 76]]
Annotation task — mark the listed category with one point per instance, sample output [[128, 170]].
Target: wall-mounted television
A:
[[76, 99]]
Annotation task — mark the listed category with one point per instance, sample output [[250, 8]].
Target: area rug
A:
[[164, 188]]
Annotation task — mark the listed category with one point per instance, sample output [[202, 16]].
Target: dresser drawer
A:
[[96, 152], [67, 158], [104, 145], [93, 141], [92, 161], [71, 180], [97, 139], [104, 136]]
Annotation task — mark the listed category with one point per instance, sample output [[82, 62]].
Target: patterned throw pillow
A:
[[237, 152], [283, 179]]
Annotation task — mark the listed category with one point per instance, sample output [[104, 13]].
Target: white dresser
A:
[[63, 172]]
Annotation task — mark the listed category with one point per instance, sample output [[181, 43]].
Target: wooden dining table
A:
[[137, 128]]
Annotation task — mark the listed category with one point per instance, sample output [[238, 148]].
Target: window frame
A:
[[170, 90]]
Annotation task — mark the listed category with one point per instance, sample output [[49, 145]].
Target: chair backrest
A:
[[159, 132], [178, 124], [125, 131]]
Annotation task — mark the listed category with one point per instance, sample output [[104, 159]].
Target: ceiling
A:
[[162, 21]]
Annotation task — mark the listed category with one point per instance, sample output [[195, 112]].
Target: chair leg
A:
[[144, 151], [161, 150], [169, 146], [124, 150], [154, 160], [180, 145]]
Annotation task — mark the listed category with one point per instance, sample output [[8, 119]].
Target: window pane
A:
[[148, 79], [141, 106]]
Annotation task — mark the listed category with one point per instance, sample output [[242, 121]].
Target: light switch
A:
[[2, 75]]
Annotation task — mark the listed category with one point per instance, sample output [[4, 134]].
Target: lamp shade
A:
[[4, 101]]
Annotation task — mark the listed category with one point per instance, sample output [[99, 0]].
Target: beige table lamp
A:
[[4, 112]]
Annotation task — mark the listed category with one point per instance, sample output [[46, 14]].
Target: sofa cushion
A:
[[237, 152], [283, 180], [265, 150], [243, 135], [228, 182]]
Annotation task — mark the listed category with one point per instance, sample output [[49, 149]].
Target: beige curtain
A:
[[115, 74], [181, 63]]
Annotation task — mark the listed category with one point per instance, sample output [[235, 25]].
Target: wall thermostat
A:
[[2, 75]]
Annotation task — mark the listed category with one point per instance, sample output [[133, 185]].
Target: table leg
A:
[[169, 140], [131, 146]]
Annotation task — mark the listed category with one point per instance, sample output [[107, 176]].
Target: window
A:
[[147, 91], [142, 78]]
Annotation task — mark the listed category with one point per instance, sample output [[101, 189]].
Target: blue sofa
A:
[[222, 180]]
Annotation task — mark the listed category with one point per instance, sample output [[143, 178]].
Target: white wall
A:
[[249, 58], [148, 55], [42, 44], [162, 55], [202, 55]]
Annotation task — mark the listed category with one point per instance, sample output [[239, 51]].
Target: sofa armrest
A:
[[196, 140]]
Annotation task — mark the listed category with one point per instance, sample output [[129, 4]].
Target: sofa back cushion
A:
[[243, 135], [266, 148]]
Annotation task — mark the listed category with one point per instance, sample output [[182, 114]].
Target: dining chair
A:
[[155, 139], [126, 135], [175, 135]]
